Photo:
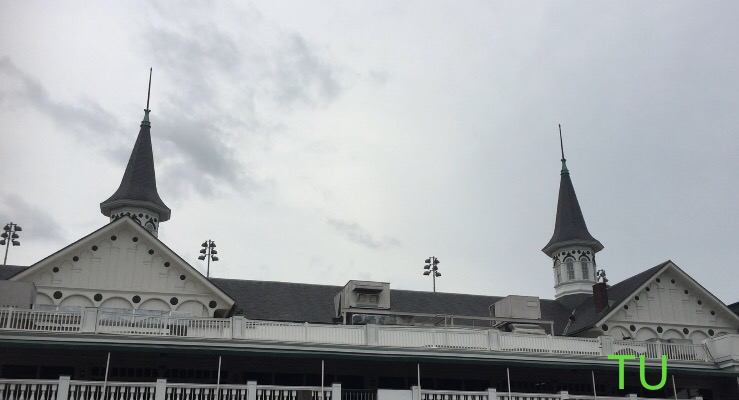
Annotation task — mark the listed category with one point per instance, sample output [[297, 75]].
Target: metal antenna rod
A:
[[148, 94]]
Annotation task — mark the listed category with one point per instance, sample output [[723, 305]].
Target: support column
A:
[[89, 320], [493, 339], [564, 395], [415, 393], [160, 390], [237, 327], [606, 345], [373, 334], [492, 394], [336, 391], [62, 392], [251, 390]]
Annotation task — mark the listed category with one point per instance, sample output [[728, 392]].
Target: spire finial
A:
[[562, 147], [148, 96]]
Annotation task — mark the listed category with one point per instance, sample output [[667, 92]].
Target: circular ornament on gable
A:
[[55, 269], [711, 332], [604, 327], [114, 237], [632, 328], [136, 299], [166, 264], [685, 331], [94, 248], [151, 252], [212, 304], [98, 297], [135, 239], [75, 258], [182, 277], [659, 329], [173, 301], [57, 295]]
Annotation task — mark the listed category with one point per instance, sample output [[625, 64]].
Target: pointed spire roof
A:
[[569, 228], [139, 185]]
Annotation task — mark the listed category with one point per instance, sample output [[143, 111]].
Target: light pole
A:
[[208, 250], [432, 268], [9, 235]]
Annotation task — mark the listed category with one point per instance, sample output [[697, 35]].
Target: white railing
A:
[[188, 391], [267, 392], [21, 389], [95, 390], [454, 338], [294, 332], [95, 321], [30, 320], [529, 396], [132, 324], [452, 395], [655, 350]]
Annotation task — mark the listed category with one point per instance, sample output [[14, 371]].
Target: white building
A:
[[117, 313]]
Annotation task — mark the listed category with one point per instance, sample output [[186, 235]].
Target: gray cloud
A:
[[221, 76], [300, 75], [359, 235], [37, 224], [84, 120], [199, 158]]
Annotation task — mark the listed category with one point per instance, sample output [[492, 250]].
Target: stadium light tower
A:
[[432, 268], [208, 251], [9, 236]]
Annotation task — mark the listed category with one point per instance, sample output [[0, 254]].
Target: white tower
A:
[[572, 248], [137, 195]]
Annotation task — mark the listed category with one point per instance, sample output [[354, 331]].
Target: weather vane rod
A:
[[148, 94], [561, 146]]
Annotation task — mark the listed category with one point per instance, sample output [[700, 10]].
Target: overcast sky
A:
[[323, 142]]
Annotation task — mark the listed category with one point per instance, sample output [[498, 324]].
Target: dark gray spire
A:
[[570, 228], [139, 185]]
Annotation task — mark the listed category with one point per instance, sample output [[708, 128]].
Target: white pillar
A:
[[336, 391], [606, 345], [251, 390], [62, 392], [415, 393], [373, 334], [160, 390], [564, 395], [632, 396], [89, 319], [237, 327], [492, 394], [493, 339]]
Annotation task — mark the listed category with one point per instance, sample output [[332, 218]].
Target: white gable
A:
[[671, 305], [123, 266]]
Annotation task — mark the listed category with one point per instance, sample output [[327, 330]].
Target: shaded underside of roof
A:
[[7, 271], [139, 181], [570, 224], [585, 315], [300, 302]]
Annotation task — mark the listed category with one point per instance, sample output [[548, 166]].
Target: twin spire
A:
[[569, 228], [137, 194]]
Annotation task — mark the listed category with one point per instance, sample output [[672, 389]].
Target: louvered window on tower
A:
[[585, 270], [570, 270]]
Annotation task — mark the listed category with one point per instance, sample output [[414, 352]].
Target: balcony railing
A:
[[66, 389], [94, 321]]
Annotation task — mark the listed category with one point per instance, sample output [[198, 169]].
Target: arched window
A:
[[585, 269]]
